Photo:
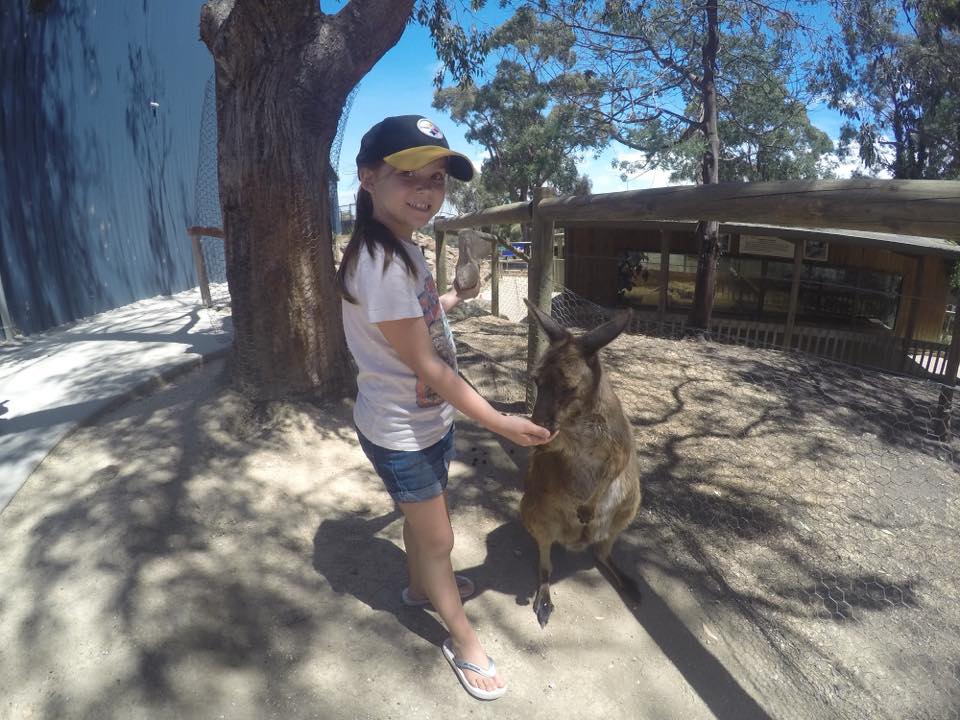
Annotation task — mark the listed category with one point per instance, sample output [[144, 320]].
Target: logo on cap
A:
[[428, 128]]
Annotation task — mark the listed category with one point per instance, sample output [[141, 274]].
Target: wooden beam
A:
[[539, 283], [500, 215], [928, 208], [914, 311], [664, 276], [495, 277], [794, 293], [208, 231], [440, 260], [201, 266], [5, 319]]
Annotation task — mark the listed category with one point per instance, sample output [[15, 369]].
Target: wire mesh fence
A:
[[810, 504], [206, 200]]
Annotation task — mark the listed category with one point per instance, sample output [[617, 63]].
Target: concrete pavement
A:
[[52, 382]]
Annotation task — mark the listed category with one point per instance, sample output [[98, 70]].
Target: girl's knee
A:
[[436, 541], [429, 524]]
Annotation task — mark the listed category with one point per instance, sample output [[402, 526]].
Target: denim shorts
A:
[[412, 475]]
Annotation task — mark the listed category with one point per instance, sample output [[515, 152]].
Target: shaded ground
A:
[[172, 561], [190, 557]]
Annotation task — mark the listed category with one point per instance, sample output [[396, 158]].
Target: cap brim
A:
[[416, 157]]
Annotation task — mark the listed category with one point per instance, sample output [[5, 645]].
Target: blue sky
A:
[[402, 83]]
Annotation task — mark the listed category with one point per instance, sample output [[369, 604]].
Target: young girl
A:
[[396, 327]]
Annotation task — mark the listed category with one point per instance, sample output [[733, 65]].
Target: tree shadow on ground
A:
[[346, 551], [167, 551]]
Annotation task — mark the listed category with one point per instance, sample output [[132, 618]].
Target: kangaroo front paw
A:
[[585, 514], [542, 605]]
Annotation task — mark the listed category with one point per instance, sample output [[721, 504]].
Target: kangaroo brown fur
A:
[[582, 488]]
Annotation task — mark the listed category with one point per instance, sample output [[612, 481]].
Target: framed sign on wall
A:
[[817, 250], [766, 246]]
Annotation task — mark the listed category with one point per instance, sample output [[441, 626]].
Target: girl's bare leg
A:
[[427, 533]]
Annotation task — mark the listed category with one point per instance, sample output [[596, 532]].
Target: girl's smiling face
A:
[[405, 200]]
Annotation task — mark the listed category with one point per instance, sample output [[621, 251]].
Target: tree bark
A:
[[707, 230], [283, 73]]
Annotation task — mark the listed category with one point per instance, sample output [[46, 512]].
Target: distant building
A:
[[874, 298]]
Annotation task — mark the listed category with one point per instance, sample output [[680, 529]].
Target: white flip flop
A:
[[460, 665], [464, 585]]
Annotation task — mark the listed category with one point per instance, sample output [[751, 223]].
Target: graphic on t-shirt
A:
[[441, 337]]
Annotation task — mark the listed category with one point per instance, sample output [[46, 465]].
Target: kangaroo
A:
[[473, 246], [582, 488]]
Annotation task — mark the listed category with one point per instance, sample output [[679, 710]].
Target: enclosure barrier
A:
[[195, 233], [925, 208]]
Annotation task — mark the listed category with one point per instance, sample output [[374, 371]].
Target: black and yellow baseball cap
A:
[[408, 142]]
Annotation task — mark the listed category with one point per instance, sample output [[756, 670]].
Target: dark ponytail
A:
[[369, 232]]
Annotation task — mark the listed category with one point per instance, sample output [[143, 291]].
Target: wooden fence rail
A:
[[928, 208]]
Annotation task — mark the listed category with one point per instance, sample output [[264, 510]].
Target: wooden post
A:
[[945, 405], [558, 259], [440, 261], [539, 282], [495, 277], [8, 331], [763, 289], [201, 266], [794, 293], [664, 277], [914, 311]]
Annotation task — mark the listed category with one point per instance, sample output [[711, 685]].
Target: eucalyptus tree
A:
[[283, 73], [762, 122], [530, 138], [656, 71], [894, 73], [471, 197]]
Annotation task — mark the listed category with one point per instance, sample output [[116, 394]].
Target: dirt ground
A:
[[182, 558], [188, 556], [807, 503]]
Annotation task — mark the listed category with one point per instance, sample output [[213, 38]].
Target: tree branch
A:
[[213, 15], [379, 22]]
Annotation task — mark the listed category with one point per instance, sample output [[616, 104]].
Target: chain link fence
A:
[[810, 505], [206, 200]]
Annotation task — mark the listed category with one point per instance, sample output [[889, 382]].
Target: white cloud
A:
[[606, 178], [851, 163]]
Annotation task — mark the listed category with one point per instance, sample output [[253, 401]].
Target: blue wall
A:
[[100, 110]]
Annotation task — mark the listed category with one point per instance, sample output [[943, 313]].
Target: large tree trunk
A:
[[283, 73], [707, 229]]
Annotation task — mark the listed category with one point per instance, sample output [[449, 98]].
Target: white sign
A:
[[816, 250], [768, 246]]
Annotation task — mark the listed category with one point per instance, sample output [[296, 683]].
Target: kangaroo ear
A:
[[551, 327], [606, 333]]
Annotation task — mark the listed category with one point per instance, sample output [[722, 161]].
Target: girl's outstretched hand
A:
[[523, 432]]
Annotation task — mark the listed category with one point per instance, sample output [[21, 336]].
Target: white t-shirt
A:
[[394, 409]]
